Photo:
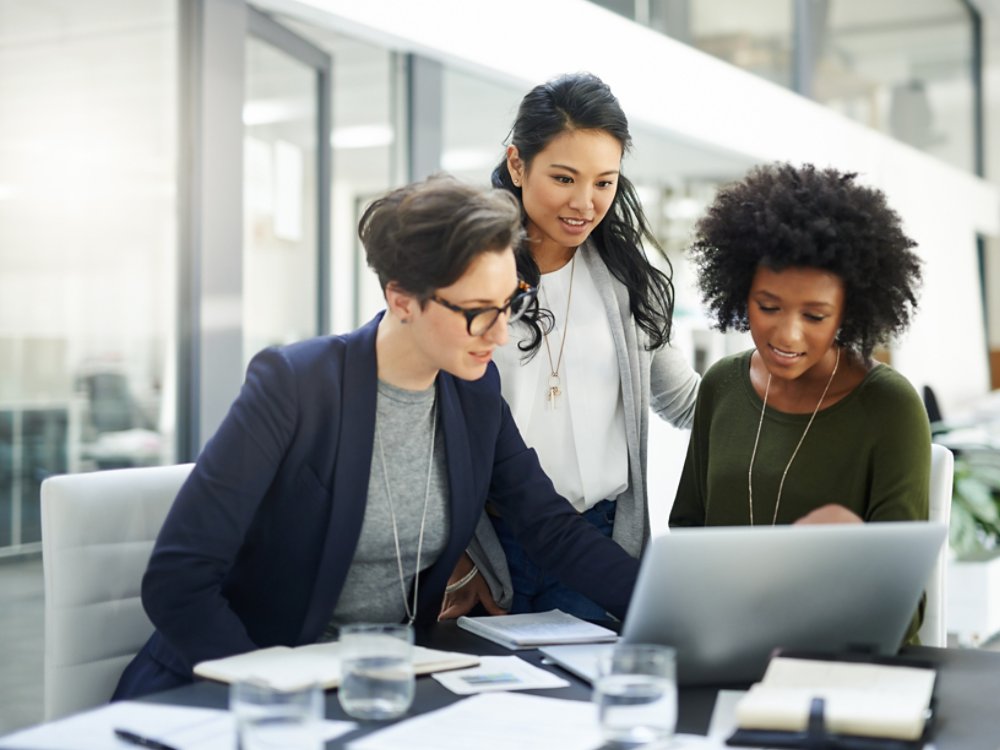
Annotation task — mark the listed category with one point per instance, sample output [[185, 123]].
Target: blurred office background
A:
[[180, 182]]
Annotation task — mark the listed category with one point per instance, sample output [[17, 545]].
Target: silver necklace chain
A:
[[753, 455], [411, 613], [554, 389]]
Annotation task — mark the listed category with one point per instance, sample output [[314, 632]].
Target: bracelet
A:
[[451, 588]]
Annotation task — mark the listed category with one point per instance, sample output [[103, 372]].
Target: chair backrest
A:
[[98, 531], [933, 631]]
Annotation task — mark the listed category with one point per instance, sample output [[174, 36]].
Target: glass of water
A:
[[636, 696], [270, 718], [376, 679]]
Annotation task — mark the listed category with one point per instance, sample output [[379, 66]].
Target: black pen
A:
[[137, 739]]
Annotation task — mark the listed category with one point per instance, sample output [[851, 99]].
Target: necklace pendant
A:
[[554, 390]]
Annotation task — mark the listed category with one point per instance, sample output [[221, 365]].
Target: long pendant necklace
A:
[[411, 613], [554, 387], [753, 455]]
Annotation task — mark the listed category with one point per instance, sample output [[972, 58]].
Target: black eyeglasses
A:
[[478, 320]]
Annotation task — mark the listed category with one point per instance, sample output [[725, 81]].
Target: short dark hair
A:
[[582, 101], [781, 216], [424, 236]]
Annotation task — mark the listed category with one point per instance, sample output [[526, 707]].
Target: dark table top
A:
[[968, 692]]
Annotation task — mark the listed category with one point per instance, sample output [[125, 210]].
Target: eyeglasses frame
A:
[[523, 290]]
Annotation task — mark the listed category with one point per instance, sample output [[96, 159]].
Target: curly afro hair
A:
[[782, 216]]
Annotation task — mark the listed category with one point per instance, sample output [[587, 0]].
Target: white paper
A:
[[499, 673], [723, 721], [179, 726], [501, 721], [494, 720]]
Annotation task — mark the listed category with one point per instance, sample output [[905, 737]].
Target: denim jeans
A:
[[538, 591]]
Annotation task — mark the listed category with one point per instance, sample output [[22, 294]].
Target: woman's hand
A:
[[461, 600], [830, 513]]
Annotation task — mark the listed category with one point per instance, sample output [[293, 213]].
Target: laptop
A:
[[726, 597]]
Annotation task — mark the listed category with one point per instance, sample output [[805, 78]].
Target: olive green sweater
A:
[[869, 452]]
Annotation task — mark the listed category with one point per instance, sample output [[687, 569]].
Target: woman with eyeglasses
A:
[[589, 366], [350, 472]]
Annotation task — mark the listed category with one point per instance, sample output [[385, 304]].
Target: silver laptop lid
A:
[[726, 597]]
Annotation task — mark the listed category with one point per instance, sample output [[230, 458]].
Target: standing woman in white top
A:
[[590, 363]]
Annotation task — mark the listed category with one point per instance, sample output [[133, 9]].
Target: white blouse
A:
[[580, 437]]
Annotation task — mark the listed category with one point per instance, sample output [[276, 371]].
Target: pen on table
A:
[[137, 739]]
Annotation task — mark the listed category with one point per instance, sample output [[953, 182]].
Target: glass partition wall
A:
[[87, 244], [909, 68], [93, 259], [285, 177]]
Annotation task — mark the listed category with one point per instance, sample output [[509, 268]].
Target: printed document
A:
[[177, 726]]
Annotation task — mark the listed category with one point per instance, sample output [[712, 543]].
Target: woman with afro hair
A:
[[806, 426]]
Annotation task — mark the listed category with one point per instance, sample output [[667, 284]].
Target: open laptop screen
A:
[[726, 597]]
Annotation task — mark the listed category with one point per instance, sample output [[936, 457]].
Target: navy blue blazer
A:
[[256, 547]]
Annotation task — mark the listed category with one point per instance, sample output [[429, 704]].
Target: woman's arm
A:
[[205, 528], [468, 587], [901, 453], [673, 386]]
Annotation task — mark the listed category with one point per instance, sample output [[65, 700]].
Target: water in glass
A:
[[376, 670], [636, 710], [376, 687]]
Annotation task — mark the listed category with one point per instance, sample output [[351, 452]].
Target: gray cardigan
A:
[[662, 380]]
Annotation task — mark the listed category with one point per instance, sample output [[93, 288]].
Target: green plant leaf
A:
[[962, 534], [977, 497]]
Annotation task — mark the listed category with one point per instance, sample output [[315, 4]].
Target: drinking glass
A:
[[270, 718], [377, 679], [636, 696]]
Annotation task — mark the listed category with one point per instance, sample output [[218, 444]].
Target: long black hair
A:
[[582, 101]]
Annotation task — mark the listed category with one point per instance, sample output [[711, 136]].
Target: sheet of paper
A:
[[723, 721], [488, 721], [500, 721], [498, 673], [180, 726]]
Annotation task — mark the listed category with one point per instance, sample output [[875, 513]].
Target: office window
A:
[[903, 67], [87, 244], [755, 36], [280, 253], [477, 118], [369, 158]]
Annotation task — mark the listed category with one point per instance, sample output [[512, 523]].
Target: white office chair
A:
[[933, 631], [97, 534]]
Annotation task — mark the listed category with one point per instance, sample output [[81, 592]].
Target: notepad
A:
[[860, 699], [289, 668], [534, 629]]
